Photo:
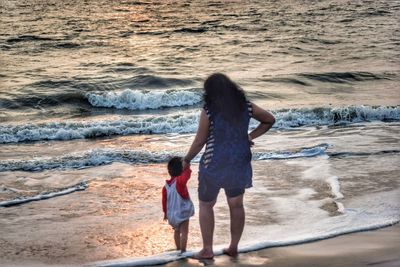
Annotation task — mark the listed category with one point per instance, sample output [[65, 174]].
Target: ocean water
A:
[[95, 96]]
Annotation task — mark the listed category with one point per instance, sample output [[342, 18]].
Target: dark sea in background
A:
[[96, 95]]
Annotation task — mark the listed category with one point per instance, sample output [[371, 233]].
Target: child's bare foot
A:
[[204, 254], [230, 252]]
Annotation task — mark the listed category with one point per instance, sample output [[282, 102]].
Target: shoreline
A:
[[366, 248], [378, 247]]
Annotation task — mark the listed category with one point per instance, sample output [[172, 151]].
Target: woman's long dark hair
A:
[[222, 95]]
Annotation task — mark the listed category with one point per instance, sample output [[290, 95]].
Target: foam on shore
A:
[[383, 211], [22, 200], [175, 256]]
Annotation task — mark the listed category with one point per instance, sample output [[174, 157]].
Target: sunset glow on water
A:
[[102, 93]]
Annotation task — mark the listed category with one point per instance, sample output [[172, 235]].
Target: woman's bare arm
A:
[[266, 120], [200, 139]]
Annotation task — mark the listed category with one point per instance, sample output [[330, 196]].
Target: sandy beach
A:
[[371, 248]]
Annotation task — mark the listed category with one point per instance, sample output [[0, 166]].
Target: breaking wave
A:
[[140, 100], [187, 123], [334, 116], [176, 123]]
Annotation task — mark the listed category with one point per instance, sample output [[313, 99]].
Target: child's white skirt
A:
[[178, 208]]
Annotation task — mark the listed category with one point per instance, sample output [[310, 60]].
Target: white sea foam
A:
[[333, 182], [43, 196], [303, 153], [98, 157], [340, 207], [334, 115], [173, 123], [185, 122], [321, 170], [141, 99]]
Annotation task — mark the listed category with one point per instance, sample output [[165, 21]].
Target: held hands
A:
[[185, 163]]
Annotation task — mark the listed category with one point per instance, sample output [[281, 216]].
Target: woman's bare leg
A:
[[237, 223], [184, 231], [206, 217]]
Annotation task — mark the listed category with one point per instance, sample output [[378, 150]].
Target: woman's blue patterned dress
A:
[[226, 162]]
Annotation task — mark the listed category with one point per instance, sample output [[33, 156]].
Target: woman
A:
[[226, 162]]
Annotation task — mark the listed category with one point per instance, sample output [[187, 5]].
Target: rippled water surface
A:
[[302, 53]]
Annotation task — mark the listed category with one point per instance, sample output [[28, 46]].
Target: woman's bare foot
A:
[[204, 254], [230, 252]]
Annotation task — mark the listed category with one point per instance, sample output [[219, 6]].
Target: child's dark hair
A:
[[175, 166]]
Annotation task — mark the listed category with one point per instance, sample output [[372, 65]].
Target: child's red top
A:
[[181, 187]]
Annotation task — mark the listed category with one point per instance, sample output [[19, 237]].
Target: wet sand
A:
[[119, 215], [371, 248], [98, 225]]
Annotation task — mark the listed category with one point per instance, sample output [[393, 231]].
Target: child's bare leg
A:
[[184, 230], [177, 237]]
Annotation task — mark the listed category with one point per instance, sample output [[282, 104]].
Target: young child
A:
[[177, 206]]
